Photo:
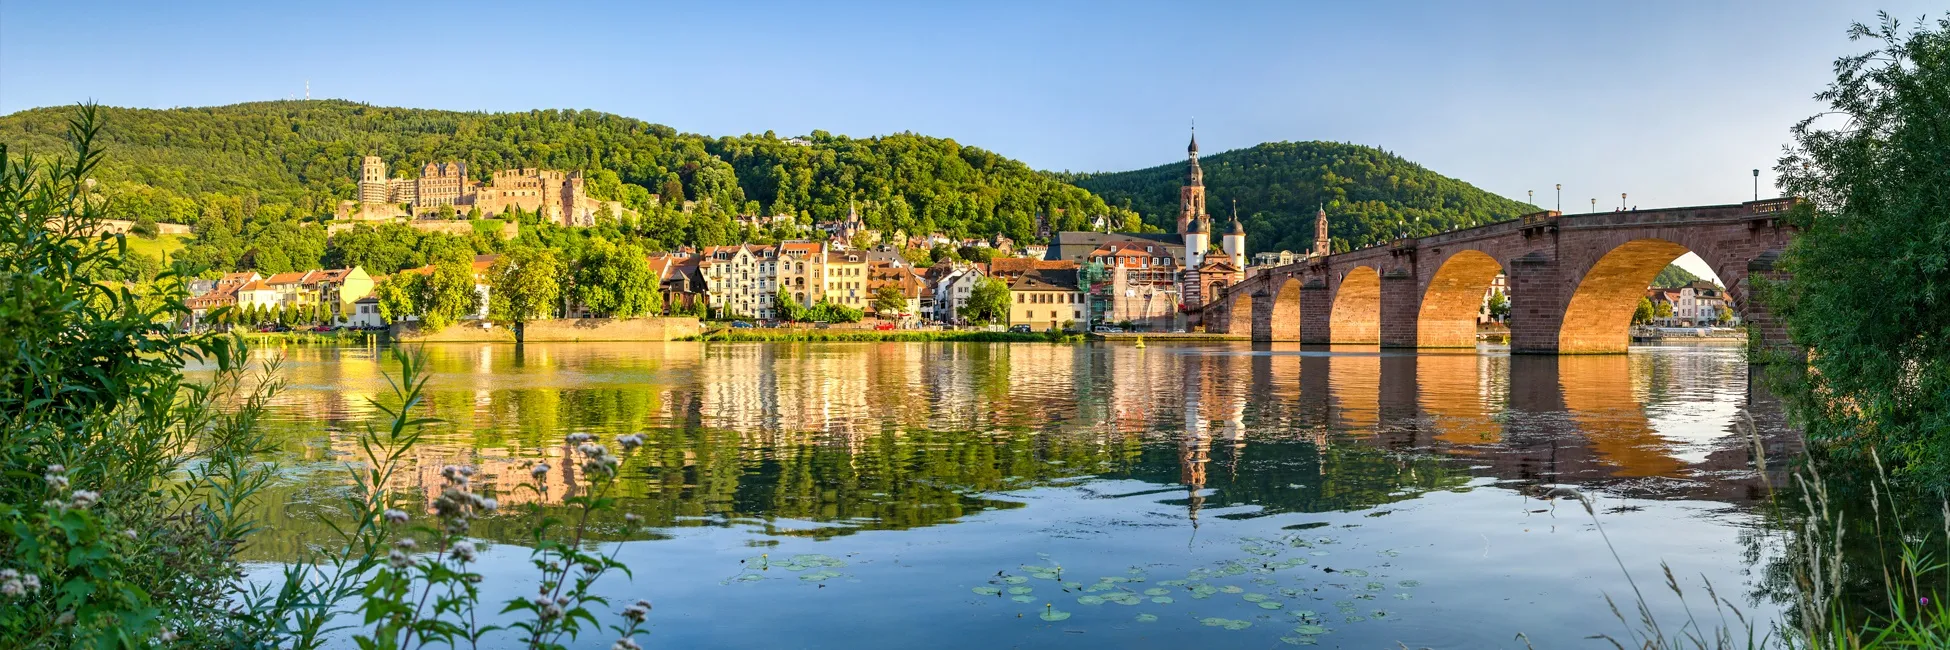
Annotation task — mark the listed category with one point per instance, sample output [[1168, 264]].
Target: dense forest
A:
[[1370, 195], [256, 182]]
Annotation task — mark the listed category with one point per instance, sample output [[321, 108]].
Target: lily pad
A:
[[1018, 591], [1101, 586], [1410, 584], [987, 591], [1023, 599], [1162, 600], [1254, 597], [1375, 586], [1072, 585], [1357, 573], [1172, 583], [1403, 596], [1300, 640], [1270, 604], [1310, 630], [1232, 589], [1155, 591], [750, 577], [1054, 615], [1087, 599], [1124, 598], [1356, 618], [1015, 580], [1306, 615], [1147, 618]]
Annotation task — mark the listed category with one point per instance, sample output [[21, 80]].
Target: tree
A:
[[1644, 312], [144, 227], [1872, 170], [888, 299], [615, 281], [448, 294], [1662, 310], [988, 302], [526, 284], [1499, 307], [788, 309], [399, 296], [1724, 315]]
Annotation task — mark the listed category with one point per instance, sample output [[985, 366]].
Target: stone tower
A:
[[1191, 197], [372, 180], [1234, 241], [1322, 245]]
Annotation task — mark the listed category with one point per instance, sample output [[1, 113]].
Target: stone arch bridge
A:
[[1574, 280]]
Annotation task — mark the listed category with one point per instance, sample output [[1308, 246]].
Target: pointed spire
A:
[[1237, 228], [1193, 148]]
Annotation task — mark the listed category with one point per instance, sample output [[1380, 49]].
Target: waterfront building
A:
[[1046, 299], [740, 280]]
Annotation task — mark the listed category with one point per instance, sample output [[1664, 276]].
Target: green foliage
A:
[[398, 296], [1370, 195], [888, 300], [988, 302], [120, 483], [615, 281], [1879, 372], [526, 285], [1499, 305], [788, 309], [448, 294], [1672, 276], [1643, 313], [832, 312], [144, 227]]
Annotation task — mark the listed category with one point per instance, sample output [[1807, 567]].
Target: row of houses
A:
[[343, 293], [1696, 304]]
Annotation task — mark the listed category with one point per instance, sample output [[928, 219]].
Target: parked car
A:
[[738, 324], [883, 326], [1111, 330], [1020, 329], [322, 328]]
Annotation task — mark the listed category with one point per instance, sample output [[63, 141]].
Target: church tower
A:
[[1191, 197], [1322, 245], [1234, 241]]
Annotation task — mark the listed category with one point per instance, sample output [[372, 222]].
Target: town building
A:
[[901, 278], [846, 279], [740, 280], [1047, 299], [680, 280], [952, 291]]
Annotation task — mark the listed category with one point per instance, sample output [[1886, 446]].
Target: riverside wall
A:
[[564, 330]]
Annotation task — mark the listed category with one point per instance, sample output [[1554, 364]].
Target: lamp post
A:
[[1532, 196], [1756, 185], [1594, 205], [1560, 198], [1621, 200]]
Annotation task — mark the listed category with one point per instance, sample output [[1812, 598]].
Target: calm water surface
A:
[[1385, 497]]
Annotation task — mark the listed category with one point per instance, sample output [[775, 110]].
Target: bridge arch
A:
[[1282, 322], [1453, 298], [1356, 316], [1239, 311], [1598, 316]]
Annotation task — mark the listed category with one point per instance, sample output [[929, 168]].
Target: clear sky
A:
[[1670, 102]]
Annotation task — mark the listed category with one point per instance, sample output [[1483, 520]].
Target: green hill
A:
[[1370, 195], [274, 161], [254, 180]]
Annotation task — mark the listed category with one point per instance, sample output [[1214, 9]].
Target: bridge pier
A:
[[1401, 308], [1536, 303], [1316, 312]]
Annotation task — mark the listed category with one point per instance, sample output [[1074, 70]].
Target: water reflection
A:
[[759, 444]]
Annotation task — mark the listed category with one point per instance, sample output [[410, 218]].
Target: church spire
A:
[[1191, 197], [1322, 245]]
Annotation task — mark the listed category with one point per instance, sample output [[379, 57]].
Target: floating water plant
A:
[[1050, 613], [1270, 604], [1254, 597], [1409, 584], [1018, 591], [987, 591], [1300, 640], [1087, 599], [1154, 591], [1023, 599], [1162, 600], [1309, 629], [1147, 618], [1014, 580]]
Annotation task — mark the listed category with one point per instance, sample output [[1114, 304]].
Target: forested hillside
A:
[[256, 180], [253, 165], [1370, 195]]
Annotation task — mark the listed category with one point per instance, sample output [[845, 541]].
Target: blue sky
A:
[[1670, 102]]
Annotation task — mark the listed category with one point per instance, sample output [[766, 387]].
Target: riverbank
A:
[[793, 335]]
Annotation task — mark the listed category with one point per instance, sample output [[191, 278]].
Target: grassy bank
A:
[[908, 336]]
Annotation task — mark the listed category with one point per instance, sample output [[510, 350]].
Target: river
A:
[[1169, 496]]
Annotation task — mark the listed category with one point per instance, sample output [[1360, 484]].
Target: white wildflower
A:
[[625, 643], [398, 559], [464, 551], [395, 517], [84, 498], [538, 470]]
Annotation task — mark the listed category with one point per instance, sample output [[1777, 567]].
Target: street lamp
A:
[[1621, 200], [1756, 185], [1560, 197], [1594, 205], [1533, 196]]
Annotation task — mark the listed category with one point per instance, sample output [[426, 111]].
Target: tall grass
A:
[[1821, 616]]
